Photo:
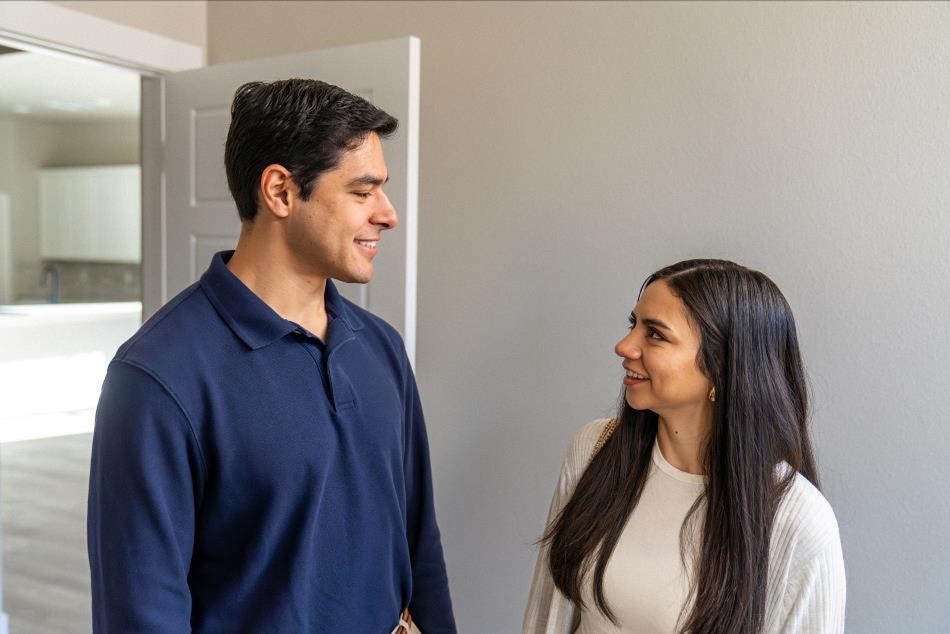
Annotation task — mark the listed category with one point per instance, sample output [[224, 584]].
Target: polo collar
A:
[[253, 321]]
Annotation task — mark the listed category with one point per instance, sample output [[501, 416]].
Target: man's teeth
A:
[[368, 243], [634, 375]]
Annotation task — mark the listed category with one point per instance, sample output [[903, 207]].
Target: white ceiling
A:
[[52, 87]]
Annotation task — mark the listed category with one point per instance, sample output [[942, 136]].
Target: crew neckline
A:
[[661, 462]]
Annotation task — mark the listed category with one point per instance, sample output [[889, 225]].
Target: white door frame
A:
[[44, 27], [50, 28]]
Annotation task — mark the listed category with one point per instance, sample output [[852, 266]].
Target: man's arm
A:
[[144, 484], [431, 605]]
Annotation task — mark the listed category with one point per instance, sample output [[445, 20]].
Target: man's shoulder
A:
[[172, 332]]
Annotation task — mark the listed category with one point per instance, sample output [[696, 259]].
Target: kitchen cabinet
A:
[[91, 213]]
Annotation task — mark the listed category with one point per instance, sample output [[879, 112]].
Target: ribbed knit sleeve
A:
[[548, 611], [806, 586]]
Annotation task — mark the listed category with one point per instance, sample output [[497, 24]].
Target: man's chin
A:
[[354, 279]]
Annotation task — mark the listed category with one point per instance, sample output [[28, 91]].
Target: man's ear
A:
[[277, 189]]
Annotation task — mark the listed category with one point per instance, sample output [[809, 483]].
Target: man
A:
[[260, 461]]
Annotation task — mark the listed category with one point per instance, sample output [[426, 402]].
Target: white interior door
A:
[[188, 213]]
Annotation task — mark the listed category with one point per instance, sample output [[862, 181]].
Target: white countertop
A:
[[12, 315], [53, 358]]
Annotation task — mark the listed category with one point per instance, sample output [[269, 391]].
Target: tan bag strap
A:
[[605, 435]]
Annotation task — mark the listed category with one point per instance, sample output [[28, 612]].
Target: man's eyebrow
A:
[[653, 323], [368, 179]]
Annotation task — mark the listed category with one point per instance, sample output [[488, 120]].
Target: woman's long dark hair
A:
[[749, 351]]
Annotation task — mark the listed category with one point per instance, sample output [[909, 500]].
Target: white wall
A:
[[569, 149]]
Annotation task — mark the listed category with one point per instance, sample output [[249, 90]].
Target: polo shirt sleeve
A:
[[431, 605], [144, 487]]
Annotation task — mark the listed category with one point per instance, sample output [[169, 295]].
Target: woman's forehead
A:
[[658, 300]]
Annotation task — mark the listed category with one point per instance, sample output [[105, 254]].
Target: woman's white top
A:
[[645, 583]]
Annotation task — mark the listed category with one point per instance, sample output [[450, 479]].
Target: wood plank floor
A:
[[43, 488]]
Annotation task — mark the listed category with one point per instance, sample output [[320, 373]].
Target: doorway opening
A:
[[70, 294]]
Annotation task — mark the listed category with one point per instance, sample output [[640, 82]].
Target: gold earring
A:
[[712, 394]]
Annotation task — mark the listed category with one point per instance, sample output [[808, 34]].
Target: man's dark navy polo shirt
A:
[[248, 477]]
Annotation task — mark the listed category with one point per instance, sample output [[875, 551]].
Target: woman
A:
[[696, 510]]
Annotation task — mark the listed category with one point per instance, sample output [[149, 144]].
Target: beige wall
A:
[[182, 20], [95, 143], [568, 149], [7, 152], [7, 181], [30, 145]]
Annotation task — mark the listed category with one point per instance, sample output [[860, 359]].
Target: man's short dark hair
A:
[[303, 124]]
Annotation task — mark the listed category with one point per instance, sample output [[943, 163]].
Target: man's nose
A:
[[386, 215]]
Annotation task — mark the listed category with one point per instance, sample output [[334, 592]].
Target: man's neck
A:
[[270, 274]]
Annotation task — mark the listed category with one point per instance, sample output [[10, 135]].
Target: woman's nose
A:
[[628, 347]]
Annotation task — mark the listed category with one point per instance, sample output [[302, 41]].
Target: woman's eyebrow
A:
[[650, 321], [656, 323]]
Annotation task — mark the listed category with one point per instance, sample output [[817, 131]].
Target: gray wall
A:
[[570, 149]]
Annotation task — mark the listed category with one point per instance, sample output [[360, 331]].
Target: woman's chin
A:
[[634, 402], [639, 401]]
